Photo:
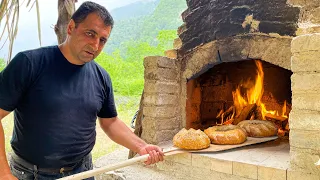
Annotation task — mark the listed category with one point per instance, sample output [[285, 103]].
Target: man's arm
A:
[[5, 172], [121, 134]]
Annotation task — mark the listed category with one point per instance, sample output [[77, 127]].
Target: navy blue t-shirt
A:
[[56, 104]]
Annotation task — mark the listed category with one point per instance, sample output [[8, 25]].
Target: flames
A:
[[253, 95]]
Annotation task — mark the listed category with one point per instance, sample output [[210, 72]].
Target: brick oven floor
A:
[[269, 160], [263, 161], [274, 154]]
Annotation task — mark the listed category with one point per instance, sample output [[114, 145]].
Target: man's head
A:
[[88, 31], [90, 7]]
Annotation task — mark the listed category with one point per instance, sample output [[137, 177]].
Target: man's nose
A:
[[95, 44]]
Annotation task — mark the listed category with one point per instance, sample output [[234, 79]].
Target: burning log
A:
[[248, 105], [258, 113], [227, 115], [253, 116], [219, 114], [275, 117], [245, 113]]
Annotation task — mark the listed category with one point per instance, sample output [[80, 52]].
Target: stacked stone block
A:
[[160, 107], [309, 18], [305, 114]]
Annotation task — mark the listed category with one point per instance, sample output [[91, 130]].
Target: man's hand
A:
[[121, 134], [155, 153], [8, 176]]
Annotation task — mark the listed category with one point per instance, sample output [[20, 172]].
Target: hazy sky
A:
[[27, 29]]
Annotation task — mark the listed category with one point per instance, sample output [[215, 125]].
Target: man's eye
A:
[[89, 34], [103, 41]]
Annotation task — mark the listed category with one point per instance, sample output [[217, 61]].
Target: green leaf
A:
[[39, 23]]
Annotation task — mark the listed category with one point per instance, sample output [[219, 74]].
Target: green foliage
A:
[[165, 39], [126, 71], [2, 64], [134, 38], [166, 15], [126, 80]]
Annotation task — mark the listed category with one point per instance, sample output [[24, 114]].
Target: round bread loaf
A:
[[226, 134], [191, 139], [259, 128]]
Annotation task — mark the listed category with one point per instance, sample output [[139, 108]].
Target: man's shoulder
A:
[[101, 72], [40, 51], [99, 68]]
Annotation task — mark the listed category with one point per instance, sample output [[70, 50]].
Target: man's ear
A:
[[71, 26]]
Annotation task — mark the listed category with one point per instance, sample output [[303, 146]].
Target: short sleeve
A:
[[14, 81], [108, 109]]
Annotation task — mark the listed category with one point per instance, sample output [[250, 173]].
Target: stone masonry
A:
[[296, 48], [208, 20], [305, 115], [161, 120]]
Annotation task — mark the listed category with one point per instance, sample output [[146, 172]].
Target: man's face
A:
[[88, 38]]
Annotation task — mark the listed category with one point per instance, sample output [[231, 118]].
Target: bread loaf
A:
[[226, 134], [259, 128], [191, 139]]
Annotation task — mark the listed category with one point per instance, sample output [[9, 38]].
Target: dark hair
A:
[[89, 7]]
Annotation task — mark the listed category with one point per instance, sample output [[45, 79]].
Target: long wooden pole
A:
[[93, 172]]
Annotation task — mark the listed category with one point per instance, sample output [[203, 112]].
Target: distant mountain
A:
[[144, 22], [137, 9]]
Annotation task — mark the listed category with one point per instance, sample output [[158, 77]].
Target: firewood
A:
[[229, 111], [245, 113], [258, 113], [253, 116], [275, 117], [228, 114], [219, 114]]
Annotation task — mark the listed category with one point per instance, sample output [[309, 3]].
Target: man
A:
[[56, 94]]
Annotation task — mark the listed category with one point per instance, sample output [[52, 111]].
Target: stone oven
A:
[[224, 46]]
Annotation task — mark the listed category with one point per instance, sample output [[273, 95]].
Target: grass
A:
[[127, 106]]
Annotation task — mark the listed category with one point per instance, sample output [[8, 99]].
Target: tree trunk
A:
[[65, 11]]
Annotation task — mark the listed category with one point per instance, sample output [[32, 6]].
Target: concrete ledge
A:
[[264, 161], [266, 173]]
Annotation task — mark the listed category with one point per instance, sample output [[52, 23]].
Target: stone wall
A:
[[304, 118], [238, 37], [208, 20], [305, 115], [160, 106], [166, 79], [309, 18], [310, 10]]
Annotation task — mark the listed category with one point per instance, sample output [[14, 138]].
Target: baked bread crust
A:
[[191, 139], [226, 134], [259, 128]]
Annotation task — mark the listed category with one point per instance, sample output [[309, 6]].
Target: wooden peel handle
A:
[[93, 172]]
